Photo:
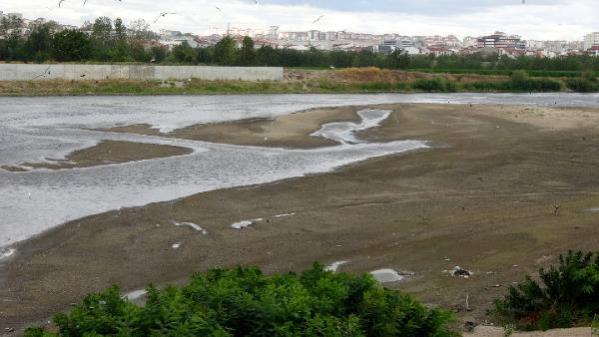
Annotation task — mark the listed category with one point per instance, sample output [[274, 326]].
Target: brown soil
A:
[[108, 152], [483, 199]]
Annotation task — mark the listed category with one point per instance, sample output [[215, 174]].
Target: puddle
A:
[[344, 132], [335, 265], [386, 275], [245, 223], [135, 295], [5, 253], [192, 226]]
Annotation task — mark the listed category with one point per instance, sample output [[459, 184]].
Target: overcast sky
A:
[[536, 19]]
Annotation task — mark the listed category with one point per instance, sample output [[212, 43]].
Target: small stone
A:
[[469, 324]]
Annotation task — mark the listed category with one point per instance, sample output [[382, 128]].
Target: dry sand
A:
[[483, 199]]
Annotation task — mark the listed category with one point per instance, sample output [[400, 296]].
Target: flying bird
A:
[[319, 18], [220, 10], [163, 14], [60, 2], [46, 72]]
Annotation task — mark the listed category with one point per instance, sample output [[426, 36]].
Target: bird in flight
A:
[[60, 2], [220, 10], [319, 18], [163, 14]]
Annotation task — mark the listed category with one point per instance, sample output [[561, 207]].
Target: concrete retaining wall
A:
[[24, 72]]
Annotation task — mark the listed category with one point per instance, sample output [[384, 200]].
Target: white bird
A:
[[220, 10], [60, 2], [29, 195]]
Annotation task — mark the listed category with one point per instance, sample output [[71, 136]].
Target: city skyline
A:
[[535, 20]]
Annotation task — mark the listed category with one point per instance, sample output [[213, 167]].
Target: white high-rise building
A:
[[591, 40]]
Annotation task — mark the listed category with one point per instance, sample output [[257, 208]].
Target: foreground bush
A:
[[567, 295], [244, 302]]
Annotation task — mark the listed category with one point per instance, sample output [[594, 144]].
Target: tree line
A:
[[106, 40]]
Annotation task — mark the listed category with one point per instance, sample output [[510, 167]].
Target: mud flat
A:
[[105, 153], [289, 131], [482, 199]]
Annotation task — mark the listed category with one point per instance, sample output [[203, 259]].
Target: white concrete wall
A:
[[24, 72]]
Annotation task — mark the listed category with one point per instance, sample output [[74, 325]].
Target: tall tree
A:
[[247, 54], [101, 38], [38, 44], [71, 45], [225, 51], [121, 47], [184, 53]]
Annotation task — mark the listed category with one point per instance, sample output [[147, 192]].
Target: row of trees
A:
[[103, 40], [110, 41]]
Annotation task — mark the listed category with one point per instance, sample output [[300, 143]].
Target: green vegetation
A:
[[106, 40], [586, 83], [565, 295], [436, 85], [519, 82], [244, 302]]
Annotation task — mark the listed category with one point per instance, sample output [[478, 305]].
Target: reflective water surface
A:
[[35, 129]]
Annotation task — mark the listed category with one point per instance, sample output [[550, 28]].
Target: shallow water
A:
[[33, 129]]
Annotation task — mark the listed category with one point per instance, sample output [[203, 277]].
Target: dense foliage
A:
[[106, 40], [244, 302], [565, 295]]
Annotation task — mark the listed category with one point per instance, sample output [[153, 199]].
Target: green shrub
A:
[[435, 85], [582, 85], [568, 295], [382, 86], [520, 81], [244, 302], [586, 83], [485, 86]]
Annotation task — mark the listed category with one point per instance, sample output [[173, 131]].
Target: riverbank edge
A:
[[360, 81]]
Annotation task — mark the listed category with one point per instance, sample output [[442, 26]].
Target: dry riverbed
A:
[[483, 199]]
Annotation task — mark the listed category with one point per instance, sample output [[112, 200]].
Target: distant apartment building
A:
[[591, 40], [170, 39], [500, 40], [469, 42], [402, 43]]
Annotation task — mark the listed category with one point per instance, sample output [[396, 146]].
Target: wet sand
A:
[[290, 131], [482, 199], [107, 152]]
